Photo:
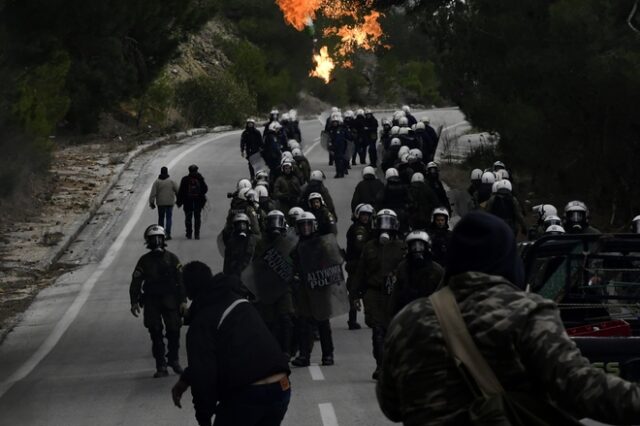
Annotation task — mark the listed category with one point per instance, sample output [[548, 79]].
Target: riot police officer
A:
[[286, 189], [240, 246], [433, 181], [307, 304], [325, 219], [250, 142], [379, 258], [439, 234], [156, 287], [417, 274], [576, 219], [358, 235], [367, 189]]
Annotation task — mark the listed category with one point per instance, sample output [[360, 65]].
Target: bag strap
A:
[[460, 343], [229, 309]]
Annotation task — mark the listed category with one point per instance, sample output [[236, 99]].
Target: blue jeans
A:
[[165, 215], [261, 405]]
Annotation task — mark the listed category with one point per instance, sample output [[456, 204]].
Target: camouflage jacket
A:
[[523, 340]]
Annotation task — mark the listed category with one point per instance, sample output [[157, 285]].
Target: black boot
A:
[[175, 366], [326, 342], [377, 340], [161, 371], [353, 320], [305, 341]]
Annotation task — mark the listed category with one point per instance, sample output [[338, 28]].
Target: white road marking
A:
[[328, 414], [72, 312], [316, 141], [316, 372]]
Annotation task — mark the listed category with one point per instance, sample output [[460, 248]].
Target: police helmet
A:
[[395, 142], [285, 116], [503, 187], [286, 163], [417, 177], [276, 221], [440, 211], [432, 166], [395, 130], [391, 173], [243, 183], [416, 153], [403, 131], [306, 224], [292, 143], [360, 112], [387, 220], [154, 237], [403, 122], [368, 171], [294, 212], [296, 152], [576, 215], [241, 223], [544, 210], [420, 125], [488, 178], [476, 174], [275, 126], [418, 243], [555, 230], [315, 196], [550, 220], [403, 151], [502, 174], [363, 208], [426, 120], [317, 175], [406, 108]]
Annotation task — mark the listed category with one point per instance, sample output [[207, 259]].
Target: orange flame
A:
[[299, 13], [324, 65], [365, 35]]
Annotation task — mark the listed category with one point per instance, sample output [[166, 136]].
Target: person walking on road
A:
[[519, 334], [236, 370], [156, 288], [192, 195], [250, 143], [163, 195]]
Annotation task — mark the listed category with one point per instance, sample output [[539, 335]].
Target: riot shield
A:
[[325, 140], [322, 293], [220, 244], [270, 274], [257, 162], [351, 148]]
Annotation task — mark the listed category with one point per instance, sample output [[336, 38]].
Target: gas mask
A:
[[155, 242], [576, 220], [418, 252], [384, 238], [241, 229]]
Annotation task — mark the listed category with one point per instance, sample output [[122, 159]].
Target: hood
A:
[[482, 242]]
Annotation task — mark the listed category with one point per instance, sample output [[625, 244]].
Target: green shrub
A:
[[214, 100]]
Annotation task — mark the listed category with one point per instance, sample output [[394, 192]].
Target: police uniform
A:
[[376, 264], [326, 220], [413, 282], [157, 287], [238, 253], [357, 236], [286, 190]]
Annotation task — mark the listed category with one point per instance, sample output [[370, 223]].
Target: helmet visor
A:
[[576, 217], [387, 223], [305, 227], [275, 222], [417, 246]]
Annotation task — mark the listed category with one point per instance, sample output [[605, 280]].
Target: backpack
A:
[[194, 188], [503, 207]]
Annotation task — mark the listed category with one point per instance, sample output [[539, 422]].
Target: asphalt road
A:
[[78, 357]]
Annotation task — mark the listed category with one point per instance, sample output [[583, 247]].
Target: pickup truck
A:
[[595, 280]]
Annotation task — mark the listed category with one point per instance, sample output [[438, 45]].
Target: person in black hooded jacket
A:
[[236, 370], [367, 189], [192, 194]]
